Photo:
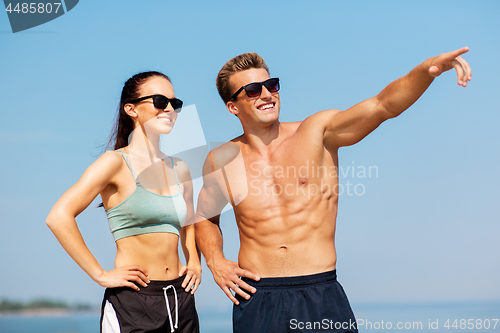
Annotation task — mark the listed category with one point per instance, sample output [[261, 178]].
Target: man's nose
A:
[[265, 94]]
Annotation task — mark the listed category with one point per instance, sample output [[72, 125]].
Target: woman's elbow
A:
[[50, 221], [54, 219]]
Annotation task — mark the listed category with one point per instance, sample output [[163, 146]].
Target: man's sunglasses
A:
[[254, 89], [161, 102]]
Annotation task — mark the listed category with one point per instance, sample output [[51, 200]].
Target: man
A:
[[282, 183]]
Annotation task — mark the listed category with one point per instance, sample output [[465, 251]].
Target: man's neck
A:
[[262, 138]]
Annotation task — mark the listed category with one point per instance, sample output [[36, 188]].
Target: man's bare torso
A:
[[285, 201]]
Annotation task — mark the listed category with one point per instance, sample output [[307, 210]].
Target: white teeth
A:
[[267, 106]]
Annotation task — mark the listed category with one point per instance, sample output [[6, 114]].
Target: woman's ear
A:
[[129, 109]]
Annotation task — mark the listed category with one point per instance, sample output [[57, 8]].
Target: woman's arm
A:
[[61, 220], [187, 234]]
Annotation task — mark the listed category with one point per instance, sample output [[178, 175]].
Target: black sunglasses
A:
[[161, 102], [254, 89]]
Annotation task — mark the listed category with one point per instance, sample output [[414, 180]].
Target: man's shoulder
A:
[[291, 125], [237, 140], [318, 119], [225, 153], [321, 115]]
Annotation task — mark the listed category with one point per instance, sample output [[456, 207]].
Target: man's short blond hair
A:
[[239, 63]]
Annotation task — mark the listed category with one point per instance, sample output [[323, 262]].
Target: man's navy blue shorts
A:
[[310, 303]]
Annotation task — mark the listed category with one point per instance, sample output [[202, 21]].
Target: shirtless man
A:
[[282, 183]]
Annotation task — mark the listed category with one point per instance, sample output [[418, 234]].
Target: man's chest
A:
[[283, 176]]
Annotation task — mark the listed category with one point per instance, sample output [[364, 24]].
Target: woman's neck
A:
[[142, 143]]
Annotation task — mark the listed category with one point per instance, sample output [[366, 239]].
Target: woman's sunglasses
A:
[[254, 89], [161, 102]]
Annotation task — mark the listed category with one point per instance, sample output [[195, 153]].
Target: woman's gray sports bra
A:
[[145, 212]]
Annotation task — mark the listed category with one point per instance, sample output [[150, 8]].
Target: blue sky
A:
[[426, 228]]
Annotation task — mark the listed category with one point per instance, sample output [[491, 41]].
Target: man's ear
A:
[[232, 108], [130, 110]]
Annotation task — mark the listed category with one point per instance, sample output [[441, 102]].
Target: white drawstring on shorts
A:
[[172, 327]]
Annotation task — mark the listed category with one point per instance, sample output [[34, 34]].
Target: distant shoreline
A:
[[42, 307], [48, 312]]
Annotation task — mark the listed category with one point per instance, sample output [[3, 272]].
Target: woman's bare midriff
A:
[[157, 253]]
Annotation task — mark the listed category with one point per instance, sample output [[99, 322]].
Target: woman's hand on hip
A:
[[193, 277], [124, 277]]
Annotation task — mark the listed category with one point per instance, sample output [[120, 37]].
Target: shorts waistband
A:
[[155, 287], [293, 281]]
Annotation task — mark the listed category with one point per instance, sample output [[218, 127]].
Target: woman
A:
[[147, 196]]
